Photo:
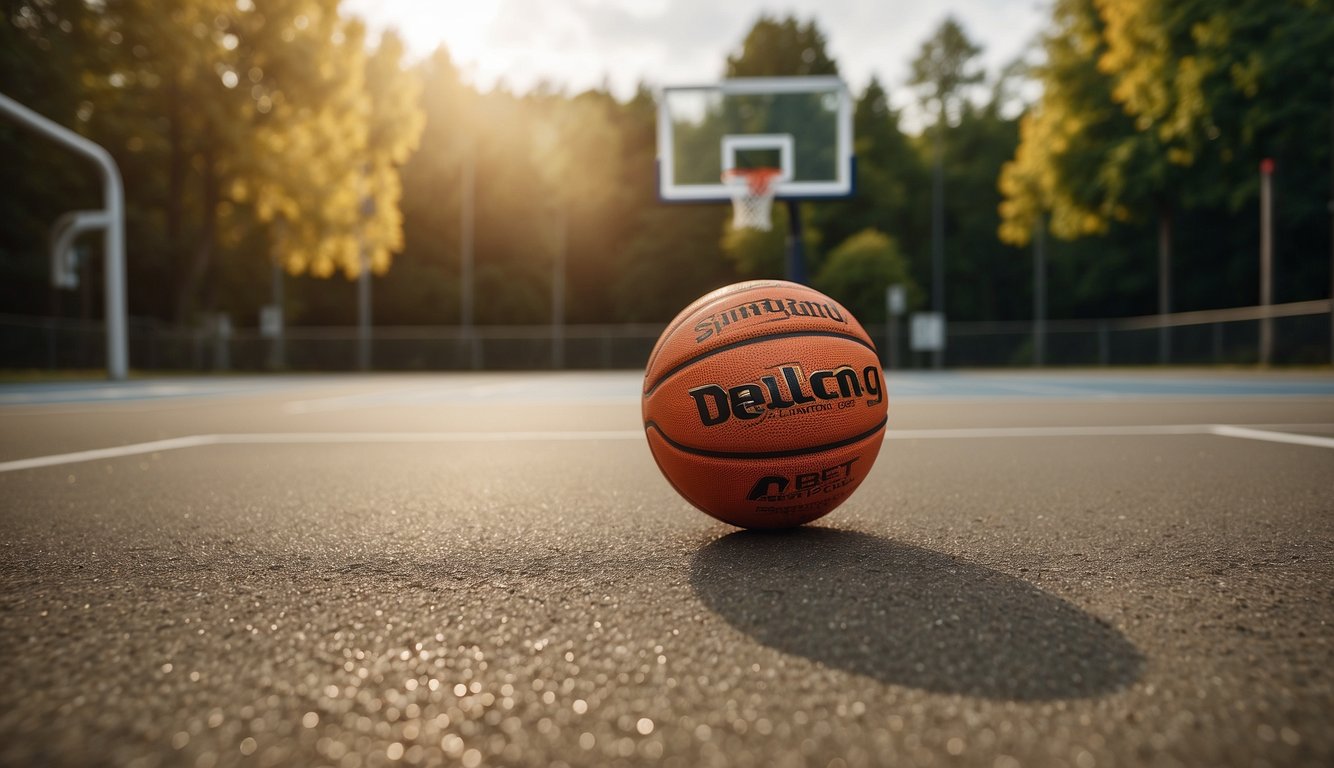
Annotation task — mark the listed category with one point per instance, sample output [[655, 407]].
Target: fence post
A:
[[1104, 344], [1266, 259], [1040, 291]]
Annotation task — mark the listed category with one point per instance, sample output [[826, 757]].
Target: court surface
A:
[[1065, 569]]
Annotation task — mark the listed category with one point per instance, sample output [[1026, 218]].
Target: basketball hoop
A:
[[752, 191]]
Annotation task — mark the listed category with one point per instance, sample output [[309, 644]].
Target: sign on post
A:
[[928, 331], [896, 299], [270, 321]]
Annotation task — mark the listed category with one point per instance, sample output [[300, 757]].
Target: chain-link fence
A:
[[1301, 336]]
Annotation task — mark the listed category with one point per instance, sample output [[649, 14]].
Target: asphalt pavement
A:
[[482, 569]]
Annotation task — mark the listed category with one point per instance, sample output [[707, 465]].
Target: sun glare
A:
[[466, 29]]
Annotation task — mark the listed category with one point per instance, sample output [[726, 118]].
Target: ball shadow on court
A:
[[909, 616]]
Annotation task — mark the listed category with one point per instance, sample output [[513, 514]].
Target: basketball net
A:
[[753, 191]]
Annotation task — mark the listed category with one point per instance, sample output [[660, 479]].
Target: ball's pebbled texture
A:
[[764, 404]]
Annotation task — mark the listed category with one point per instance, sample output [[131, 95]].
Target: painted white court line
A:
[[97, 454], [353, 438], [1227, 430], [305, 438], [359, 400], [975, 432], [1049, 390], [297, 438]]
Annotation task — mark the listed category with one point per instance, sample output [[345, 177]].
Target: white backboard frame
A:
[[788, 188], [780, 142]]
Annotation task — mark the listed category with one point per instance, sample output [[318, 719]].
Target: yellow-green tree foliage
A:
[[396, 122], [330, 179], [311, 145], [1166, 104], [1070, 143], [1059, 164], [1221, 85], [274, 115]]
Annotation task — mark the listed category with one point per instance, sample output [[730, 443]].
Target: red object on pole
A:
[[1267, 166]]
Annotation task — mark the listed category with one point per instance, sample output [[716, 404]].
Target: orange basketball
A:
[[764, 404]]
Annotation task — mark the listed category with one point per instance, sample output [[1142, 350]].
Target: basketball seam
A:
[[745, 342], [739, 288], [763, 454]]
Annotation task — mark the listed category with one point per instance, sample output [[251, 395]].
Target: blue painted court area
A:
[[342, 391]]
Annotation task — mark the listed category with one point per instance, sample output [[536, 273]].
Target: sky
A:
[[579, 44]]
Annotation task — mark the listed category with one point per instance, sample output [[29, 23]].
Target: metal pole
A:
[[1266, 258], [1040, 292], [364, 311], [276, 361], [796, 245], [278, 352], [894, 305], [113, 195], [938, 231], [558, 293], [894, 342], [364, 287], [1164, 286], [466, 255]]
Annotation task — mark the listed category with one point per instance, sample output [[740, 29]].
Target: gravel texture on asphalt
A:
[[1079, 601]]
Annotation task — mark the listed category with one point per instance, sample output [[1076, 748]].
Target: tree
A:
[[944, 67], [45, 53], [670, 254], [1080, 164], [781, 48], [859, 270], [941, 71], [889, 174], [1219, 87], [986, 277], [776, 48], [424, 285], [1158, 113], [1059, 165], [395, 126]]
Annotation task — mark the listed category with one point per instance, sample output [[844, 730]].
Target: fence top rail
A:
[[653, 330], [1146, 322], [1229, 315]]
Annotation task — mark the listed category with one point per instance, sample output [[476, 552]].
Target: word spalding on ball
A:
[[764, 404]]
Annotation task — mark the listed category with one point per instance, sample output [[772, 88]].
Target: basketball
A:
[[764, 404]]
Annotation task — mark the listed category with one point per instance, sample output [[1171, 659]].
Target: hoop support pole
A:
[[796, 244], [113, 226]]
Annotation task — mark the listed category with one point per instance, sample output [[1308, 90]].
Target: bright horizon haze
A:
[[580, 44]]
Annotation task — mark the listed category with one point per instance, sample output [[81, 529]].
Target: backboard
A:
[[799, 125]]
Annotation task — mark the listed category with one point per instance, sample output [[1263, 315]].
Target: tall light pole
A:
[[466, 205], [364, 289], [558, 289], [1266, 258], [1040, 291], [938, 231], [1164, 285], [277, 351]]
